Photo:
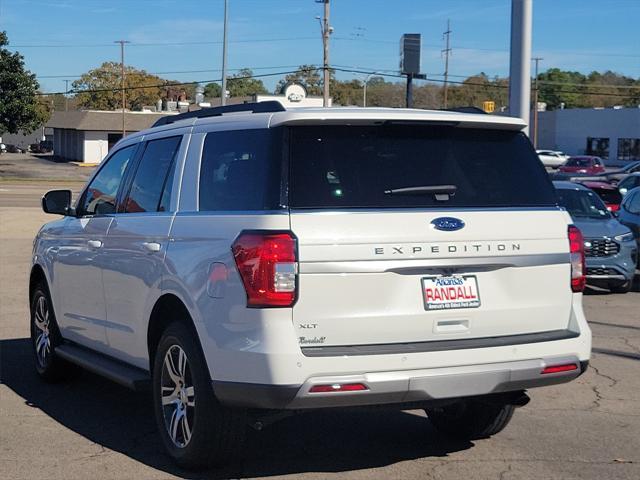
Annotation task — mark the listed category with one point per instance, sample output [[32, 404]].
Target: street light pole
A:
[[364, 94], [223, 99], [124, 95]]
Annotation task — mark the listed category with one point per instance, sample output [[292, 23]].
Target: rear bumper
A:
[[402, 386]]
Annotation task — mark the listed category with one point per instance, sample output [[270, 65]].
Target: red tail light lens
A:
[[268, 266], [576, 247]]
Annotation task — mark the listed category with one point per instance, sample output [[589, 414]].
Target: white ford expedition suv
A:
[[248, 260]]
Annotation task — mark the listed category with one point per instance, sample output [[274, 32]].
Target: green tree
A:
[[20, 107], [103, 88], [242, 85], [212, 90], [100, 88], [308, 75]]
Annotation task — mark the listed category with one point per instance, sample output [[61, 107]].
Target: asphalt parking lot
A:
[[91, 428]]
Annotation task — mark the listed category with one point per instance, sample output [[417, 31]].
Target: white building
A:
[[88, 135], [610, 133]]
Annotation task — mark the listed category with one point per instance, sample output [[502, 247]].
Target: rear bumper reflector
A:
[[559, 368], [338, 387]]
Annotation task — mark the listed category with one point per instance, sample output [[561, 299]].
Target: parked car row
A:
[[45, 146]]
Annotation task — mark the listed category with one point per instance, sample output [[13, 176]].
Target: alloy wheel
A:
[[42, 337], [178, 396]]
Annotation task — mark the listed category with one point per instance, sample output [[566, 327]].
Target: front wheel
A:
[[195, 429], [45, 337], [471, 419]]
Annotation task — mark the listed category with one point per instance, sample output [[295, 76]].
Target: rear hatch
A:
[[417, 232]]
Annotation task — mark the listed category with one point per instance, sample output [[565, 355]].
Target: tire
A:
[[196, 430], [471, 419], [45, 337], [621, 288]]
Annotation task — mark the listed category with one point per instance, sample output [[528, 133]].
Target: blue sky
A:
[[64, 38]]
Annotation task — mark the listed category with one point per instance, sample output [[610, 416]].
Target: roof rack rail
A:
[[254, 107], [470, 109]]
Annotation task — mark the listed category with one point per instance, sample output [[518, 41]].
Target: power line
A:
[[167, 84], [160, 44], [486, 85], [335, 68], [175, 72], [283, 39]]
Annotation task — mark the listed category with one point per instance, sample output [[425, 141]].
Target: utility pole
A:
[[325, 30], [223, 99], [124, 95], [66, 93], [535, 103], [520, 61], [446, 52]]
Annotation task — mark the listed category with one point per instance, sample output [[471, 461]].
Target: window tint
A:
[[241, 170], [150, 179], [101, 194], [358, 166]]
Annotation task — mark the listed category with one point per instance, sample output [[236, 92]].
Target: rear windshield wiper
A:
[[441, 192]]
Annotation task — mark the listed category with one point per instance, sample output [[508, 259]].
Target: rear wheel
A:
[[45, 337], [195, 429], [621, 288], [471, 419]]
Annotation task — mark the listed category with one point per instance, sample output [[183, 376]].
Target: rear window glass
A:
[[579, 162], [608, 196], [241, 170], [365, 166]]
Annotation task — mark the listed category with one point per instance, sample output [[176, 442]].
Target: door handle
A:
[[95, 243], [152, 247]]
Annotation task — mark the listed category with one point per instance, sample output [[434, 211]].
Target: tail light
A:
[[576, 247], [268, 265]]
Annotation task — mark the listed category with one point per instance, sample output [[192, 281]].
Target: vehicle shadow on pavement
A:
[[322, 441]]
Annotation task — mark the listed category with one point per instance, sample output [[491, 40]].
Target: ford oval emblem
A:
[[447, 224]]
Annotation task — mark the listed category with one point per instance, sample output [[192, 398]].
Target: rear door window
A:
[[365, 166], [152, 181]]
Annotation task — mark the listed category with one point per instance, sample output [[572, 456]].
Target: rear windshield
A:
[[437, 166]]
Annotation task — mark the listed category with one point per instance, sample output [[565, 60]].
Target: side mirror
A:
[[57, 202]]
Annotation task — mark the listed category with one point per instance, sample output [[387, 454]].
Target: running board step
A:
[[114, 370]]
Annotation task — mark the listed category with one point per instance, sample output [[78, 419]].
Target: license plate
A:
[[450, 292]]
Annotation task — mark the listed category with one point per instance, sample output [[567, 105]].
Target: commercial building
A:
[[610, 133], [88, 135]]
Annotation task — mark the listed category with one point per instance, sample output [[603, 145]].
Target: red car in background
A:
[[609, 194], [583, 164]]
